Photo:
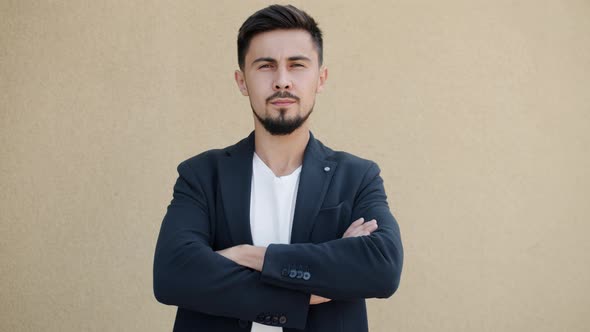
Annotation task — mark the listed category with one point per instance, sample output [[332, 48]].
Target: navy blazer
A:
[[210, 211]]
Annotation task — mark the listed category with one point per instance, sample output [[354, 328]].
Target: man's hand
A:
[[358, 228]]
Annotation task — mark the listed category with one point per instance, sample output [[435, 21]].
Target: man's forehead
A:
[[281, 44]]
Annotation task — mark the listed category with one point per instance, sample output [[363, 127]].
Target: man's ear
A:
[[241, 81], [322, 79]]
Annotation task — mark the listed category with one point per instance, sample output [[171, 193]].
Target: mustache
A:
[[282, 94]]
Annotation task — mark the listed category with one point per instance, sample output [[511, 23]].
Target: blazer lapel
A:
[[316, 174], [235, 177]]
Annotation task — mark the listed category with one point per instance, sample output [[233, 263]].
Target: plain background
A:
[[478, 113]]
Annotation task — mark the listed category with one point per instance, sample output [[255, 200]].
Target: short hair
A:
[[277, 17]]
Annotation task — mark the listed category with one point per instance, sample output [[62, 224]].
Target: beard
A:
[[282, 125]]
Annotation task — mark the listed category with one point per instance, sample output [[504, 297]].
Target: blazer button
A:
[[243, 323], [299, 274], [293, 273], [283, 319], [306, 275]]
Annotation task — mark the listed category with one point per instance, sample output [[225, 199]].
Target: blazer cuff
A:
[[276, 271]]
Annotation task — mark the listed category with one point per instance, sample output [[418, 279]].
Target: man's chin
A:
[[282, 128], [282, 121]]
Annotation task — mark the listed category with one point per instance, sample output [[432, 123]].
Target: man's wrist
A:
[[252, 257]]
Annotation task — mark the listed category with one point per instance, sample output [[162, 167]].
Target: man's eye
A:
[[298, 65], [265, 66]]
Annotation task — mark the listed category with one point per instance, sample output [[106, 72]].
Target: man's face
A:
[[281, 76]]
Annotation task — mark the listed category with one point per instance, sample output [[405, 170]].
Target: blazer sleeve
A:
[[187, 272], [348, 268]]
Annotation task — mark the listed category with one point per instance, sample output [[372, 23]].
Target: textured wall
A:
[[477, 112]]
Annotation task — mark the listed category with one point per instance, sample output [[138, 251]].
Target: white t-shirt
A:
[[272, 206]]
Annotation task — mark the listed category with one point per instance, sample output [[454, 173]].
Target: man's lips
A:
[[282, 102]]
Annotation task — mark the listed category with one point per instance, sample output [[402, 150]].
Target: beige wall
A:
[[477, 112]]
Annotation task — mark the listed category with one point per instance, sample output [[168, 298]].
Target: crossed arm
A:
[[253, 256], [245, 281]]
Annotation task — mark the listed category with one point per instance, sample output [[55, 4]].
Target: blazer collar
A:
[[235, 177]]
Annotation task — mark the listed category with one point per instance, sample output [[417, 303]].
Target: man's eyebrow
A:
[[293, 58], [264, 60], [299, 57]]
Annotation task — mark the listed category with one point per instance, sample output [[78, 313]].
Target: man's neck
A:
[[281, 153]]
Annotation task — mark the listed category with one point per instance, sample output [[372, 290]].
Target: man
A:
[[277, 232]]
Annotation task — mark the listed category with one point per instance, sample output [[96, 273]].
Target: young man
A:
[[277, 232]]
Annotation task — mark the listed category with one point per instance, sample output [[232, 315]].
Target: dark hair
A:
[[277, 17]]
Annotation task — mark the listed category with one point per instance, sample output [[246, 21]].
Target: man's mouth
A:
[[282, 102]]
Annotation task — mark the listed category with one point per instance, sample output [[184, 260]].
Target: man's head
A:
[[277, 17], [280, 60]]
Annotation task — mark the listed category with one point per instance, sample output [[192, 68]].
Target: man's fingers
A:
[[368, 225], [353, 226], [371, 226], [361, 228], [316, 299], [359, 221], [361, 232]]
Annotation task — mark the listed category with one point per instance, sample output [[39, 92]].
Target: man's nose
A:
[[282, 80]]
